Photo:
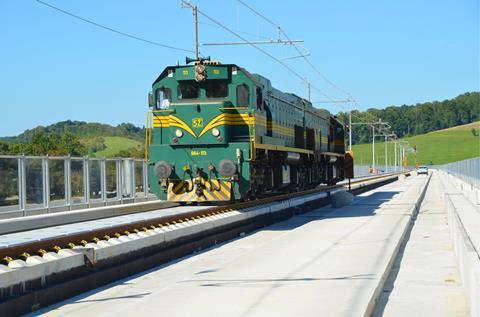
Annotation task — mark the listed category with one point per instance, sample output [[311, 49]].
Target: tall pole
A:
[[195, 26], [386, 156], [350, 131], [395, 155], [309, 90], [402, 156], [373, 149]]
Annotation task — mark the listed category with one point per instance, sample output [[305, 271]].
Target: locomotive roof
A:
[[164, 72]]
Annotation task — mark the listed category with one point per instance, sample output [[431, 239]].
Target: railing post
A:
[[86, 181], [103, 180], [127, 177], [118, 164], [46, 183], [145, 178], [22, 197], [132, 178], [68, 179]]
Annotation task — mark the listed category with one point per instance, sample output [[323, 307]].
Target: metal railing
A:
[[36, 184], [466, 170]]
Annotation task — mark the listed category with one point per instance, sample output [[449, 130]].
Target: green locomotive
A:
[[220, 133]]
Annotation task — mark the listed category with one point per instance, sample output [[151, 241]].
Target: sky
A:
[[54, 67]]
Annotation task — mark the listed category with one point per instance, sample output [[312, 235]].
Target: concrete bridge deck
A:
[[329, 262]]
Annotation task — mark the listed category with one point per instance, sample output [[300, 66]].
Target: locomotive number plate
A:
[[197, 122], [198, 153]]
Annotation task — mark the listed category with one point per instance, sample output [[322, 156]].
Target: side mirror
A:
[[150, 100]]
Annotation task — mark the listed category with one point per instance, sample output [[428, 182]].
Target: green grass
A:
[[116, 144], [438, 147]]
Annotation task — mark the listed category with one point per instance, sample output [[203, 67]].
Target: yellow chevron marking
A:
[[171, 121], [177, 187], [189, 196], [220, 187], [221, 119], [224, 118], [218, 196], [178, 191], [175, 121], [208, 195], [225, 188], [228, 118]]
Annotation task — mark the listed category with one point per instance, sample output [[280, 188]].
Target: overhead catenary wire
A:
[[303, 79], [238, 31], [290, 69], [307, 60], [373, 118], [249, 42], [135, 37]]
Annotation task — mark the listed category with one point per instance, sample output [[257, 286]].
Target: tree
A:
[[420, 118], [71, 145]]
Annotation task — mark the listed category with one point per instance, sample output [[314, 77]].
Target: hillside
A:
[[78, 138], [411, 120], [433, 148], [80, 129], [116, 144]]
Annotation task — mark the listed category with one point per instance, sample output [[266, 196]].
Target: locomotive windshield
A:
[[188, 90], [216, 88]]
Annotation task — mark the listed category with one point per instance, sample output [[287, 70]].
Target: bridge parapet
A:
[[32, 185], [467, 170]]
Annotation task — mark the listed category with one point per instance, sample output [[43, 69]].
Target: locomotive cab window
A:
[[216, 88], [163, 98], [188, 90], [243, 96]]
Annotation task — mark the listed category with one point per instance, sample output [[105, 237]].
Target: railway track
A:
[[102, 256], [23, 251]]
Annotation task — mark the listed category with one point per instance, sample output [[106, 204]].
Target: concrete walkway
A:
[[425, 280], [329, 262]]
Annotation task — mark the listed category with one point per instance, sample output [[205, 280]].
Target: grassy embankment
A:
[[438, 147], [115, 144]]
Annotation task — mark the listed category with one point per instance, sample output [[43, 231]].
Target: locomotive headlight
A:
[[215, 132], [163, 169], [178, 133], [227, 168]]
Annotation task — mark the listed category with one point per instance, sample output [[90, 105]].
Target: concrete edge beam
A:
[[462, 219], [375, 296]]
